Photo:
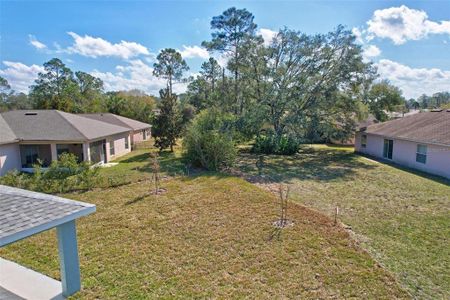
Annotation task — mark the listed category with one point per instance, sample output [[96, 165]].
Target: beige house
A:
[[29, 136], [420, 141], [139, 131]]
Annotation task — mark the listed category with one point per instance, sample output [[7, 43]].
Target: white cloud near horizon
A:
[[136, 75], [194, 51], [35, 43], [96, 47], [414, 81], [19, 75], [401, 24], [267, 35]]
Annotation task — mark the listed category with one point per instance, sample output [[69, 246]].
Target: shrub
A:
[[209, 141], [61, 176], [14, 178], [273, 144]]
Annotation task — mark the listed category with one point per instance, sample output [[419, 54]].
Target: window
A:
[[61, 148], [388, 149], [421, 155], [30, 155], [144, 134], [111, 148], [126, 143], [363, 141]]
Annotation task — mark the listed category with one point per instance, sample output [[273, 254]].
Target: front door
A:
[[388, 149]]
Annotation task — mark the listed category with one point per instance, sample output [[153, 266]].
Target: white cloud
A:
[[371, 51], [19, 75], [35, 43], [194, 51], [222, 59], [267, 35], [401, 24], [358, 34], [136, 75], [94, 47], [414, 81]]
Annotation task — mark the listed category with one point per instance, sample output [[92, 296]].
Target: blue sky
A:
[[117, 41]]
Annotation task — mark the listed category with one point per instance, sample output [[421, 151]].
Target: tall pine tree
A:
[[168, 125]]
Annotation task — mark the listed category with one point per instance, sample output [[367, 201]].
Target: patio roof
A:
[[24, 213]]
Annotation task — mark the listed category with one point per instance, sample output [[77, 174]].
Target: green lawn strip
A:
[[208, 236], [400, 216]]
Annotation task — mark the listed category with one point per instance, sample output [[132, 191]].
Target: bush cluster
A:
[[64, 175], [274, 144], [209, 141]]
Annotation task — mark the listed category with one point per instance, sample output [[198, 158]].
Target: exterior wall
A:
[[374, 145], [9, 158], [138, 136], [404, 153], [119, 145]]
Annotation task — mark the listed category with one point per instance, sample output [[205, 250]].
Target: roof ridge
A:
[[123, 124], [70, 123], [116, 117]]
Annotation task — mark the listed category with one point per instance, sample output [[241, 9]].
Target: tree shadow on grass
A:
[[137, 199], [307, 164]]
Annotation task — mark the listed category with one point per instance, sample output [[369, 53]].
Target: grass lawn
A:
[[401, 217], [208, 236]]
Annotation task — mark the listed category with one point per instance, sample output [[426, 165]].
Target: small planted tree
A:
[[283, 193], [156, 170]]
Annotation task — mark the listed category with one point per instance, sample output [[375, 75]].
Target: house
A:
[[139, 131], [360, 124], [419, 141], [29, 136]]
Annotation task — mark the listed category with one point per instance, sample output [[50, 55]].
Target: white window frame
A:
[[363, 140], [113, 148], [421, 153]]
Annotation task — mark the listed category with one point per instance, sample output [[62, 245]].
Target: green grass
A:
[[208, 236], [400, 216]]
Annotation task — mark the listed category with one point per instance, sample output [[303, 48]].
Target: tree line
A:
[[58, 87], [293, 89]]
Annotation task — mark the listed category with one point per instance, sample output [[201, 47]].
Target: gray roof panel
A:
[[24, 213], [92, 129], [6, 134], [54, 125], [424, 127], [118, 120], [41, 125]]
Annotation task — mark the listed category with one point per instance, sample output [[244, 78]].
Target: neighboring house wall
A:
[[138, 136], [404, 153], [9, 158], [120, 143]]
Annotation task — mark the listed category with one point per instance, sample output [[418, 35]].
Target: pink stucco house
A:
[[139, 131], [420, 141], [29, 136]]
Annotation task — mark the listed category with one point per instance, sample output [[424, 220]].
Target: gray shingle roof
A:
[[53, 125], [6, 134], [424, 127], [118, 120], [23, 213]]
